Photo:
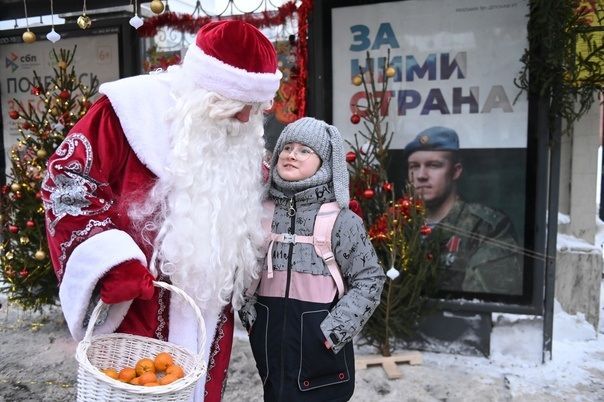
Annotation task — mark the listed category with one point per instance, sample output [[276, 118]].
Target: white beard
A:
[[207, 207]]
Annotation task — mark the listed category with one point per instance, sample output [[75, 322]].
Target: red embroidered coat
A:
[[109, 160]]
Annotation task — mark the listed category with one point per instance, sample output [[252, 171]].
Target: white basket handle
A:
[[201, 330]]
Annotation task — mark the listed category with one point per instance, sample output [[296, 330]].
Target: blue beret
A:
[[434, 139]]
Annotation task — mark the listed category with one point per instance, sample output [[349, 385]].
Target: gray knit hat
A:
[[327, 142]]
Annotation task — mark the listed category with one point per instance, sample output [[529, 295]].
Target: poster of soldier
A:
[[459, 126]]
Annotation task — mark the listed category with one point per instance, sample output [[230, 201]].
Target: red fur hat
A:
[[235, 60]]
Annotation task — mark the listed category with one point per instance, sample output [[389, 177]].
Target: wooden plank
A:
[[388, 363]]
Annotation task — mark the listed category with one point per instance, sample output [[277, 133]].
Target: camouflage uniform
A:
[[472, 264]]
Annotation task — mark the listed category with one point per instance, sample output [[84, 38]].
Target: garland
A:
[[190, 24], [302, 56]]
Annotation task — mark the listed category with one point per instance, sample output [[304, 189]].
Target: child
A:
[[300, 327]]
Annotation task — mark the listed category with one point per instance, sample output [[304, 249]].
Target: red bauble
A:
[[64, 94], [425, 230], [13, 114], [26, 126], [355, 207], [30, 224], [351, 156], [355, 119], [39, 195], [406, 204], [23, 273], [36, 91], [368, 193], [13, 229], [429, 257], [387, 186]]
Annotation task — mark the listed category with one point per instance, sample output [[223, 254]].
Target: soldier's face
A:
[[433, 174]]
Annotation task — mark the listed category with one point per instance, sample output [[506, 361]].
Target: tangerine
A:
[[176, 370], [146, 377], [110, 372], [144, 365], [162, 361], [126, 374], [135, 381], [151, 384], [167, 379]]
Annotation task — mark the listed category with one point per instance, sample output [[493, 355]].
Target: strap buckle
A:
[[289, 238]]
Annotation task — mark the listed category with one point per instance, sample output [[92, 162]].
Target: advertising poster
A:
[[95, 55], [455, 63]]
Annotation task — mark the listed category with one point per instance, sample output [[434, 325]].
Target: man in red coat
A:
[[162, 179]]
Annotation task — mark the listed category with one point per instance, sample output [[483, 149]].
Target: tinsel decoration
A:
[[191, 24]]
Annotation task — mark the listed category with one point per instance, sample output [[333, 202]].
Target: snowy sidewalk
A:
[[37, 364]]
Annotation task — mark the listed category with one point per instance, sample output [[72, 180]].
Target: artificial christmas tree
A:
[[26, 273], [407, 249]]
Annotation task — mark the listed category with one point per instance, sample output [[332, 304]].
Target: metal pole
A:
[[552, 234]]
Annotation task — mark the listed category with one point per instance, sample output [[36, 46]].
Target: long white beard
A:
[[207, 206]]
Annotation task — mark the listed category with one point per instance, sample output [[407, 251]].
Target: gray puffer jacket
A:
[[294, 312]]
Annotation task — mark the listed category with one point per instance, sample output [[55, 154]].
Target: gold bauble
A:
[[29, 37], [390, 72], [84, 21], [357, 80], [40, 255], [9, 255], [157, 6], [15, 187], [41, 153], [62, 65], [24, 240]]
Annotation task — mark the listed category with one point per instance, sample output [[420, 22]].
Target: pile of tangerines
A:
[[149, 372]]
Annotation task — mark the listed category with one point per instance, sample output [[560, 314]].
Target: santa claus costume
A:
[[162, 179]]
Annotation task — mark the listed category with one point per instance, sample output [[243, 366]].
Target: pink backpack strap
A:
[[324, 223], [321, 239]]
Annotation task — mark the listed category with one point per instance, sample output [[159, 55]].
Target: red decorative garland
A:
[[302, 55], [190, 24]]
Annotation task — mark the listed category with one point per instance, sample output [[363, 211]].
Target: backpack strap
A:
[[321, 240], [324, 223]]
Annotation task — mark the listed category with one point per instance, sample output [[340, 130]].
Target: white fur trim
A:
[[183, 331], [229, 81], [87, 264], [139, 103]]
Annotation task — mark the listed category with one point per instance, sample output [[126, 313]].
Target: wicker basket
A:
[[123, 350]]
